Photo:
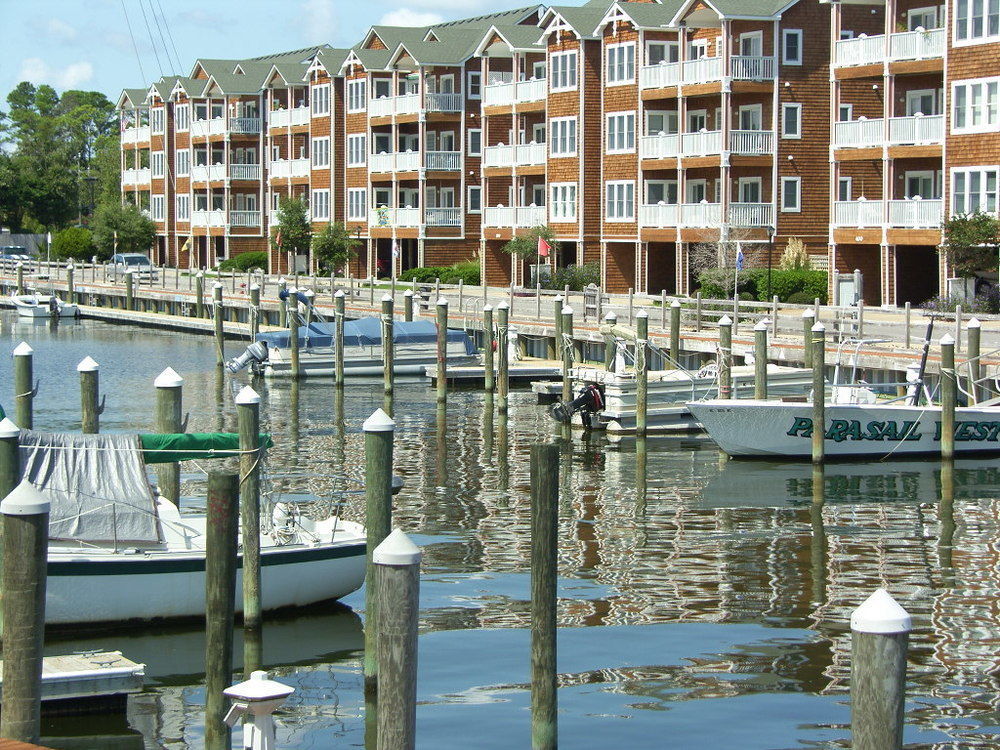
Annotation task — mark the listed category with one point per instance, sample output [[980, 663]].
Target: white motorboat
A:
[[118, 552], [43, 306]]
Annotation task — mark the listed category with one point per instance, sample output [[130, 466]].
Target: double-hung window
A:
[[562, 71], [562, 206], [320, 98], [474, 83], [357, 203], [320, 204], [475, 204], [156, 120], [791, 120], [620, 63], [356, 149], [183, 208], [157, 207], [791, 46], [156, 163], [621, 132], [974, 190], [562, 136], [619, 202], [183, 162], [975, 105], [791, 194], [977, 21], [475, 142], [321, 152], [182, 117]]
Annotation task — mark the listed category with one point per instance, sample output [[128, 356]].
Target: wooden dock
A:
[[73, 683]]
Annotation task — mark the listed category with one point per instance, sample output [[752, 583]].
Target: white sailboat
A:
[[36, 305]]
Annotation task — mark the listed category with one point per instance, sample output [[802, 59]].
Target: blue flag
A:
[[739, 259]]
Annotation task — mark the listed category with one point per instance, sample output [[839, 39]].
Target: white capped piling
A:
[[292, 318], [10, 457], [808, 320], [254, 312], [218, 321], [24, 389], [725, 357], [760, 360], [25, 549], [442, 350], [169, 386], [199, 295], [221, 531], [282, 308], [641, 372], [503, 357], [90, 406], [20, 278], [408, 305], [388, 351], [248, 426], [489, 376], [610, 345], [973, 333], [70, 284], [880, 635], [675, 332], [949, 389], [566, 347], [544, 477], [379, 429], [256, 700], [129, 290], [819, 392], [397, 578], [338, 341], [557, 306]]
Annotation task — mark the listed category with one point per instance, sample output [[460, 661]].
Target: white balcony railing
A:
[[401, 161], [133, 177], [527, 154], [138, 134], [500, 155], [382, 107], [858, 133], [702, 70], [443, 102], [443, 217], [216, 218], [700, 144], [283, 118], [752, 67], [861, 50], [906, 45], [444, 160], [394, 217], [916, 213], [751, 214], [208, 173], [502, 91], [284, 168], [531, 91], [244, 218], [521, 155], [660, 146], [244, 125], [751, 142], [701, 214], [916, 129], [244, 172], [216, 126], [860, 213], [659, 76], [514, 216], [659, 215]]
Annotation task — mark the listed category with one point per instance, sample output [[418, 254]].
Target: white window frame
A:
[[797, 108], [916, 12], [563, 202], [670, 118], [757, 109], [842, 183], [670, 49], [319, 100], [319, 205], [623, 203], [619, 64], [690, 185], [620, 137], [752, 36], [845, 108], [183, 208], [157, 119], [785, 34], [560, 69], [357, 204], [357, 149], [477, 85], [157, 164], [984, 196], [478, 190], [157, 207], [986, 125], [746, 181], [557, 124], [182, 117], [470, 142], [962, 27], [666, 184], [319, 152], [183, 162], [787, 208]]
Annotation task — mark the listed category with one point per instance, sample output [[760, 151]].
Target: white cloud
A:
[[36, 70], [61, 30], [407, 17], [318, 15]]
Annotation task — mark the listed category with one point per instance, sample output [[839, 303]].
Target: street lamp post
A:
[[770, 248]]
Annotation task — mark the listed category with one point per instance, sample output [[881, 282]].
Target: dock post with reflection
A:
[[544, 525]]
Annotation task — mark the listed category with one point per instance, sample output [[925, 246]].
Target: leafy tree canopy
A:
[[75, 243], [525, 245], [333, 247], [971, 242], [122, 229], [293, 227]]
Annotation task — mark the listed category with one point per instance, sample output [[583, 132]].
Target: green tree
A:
[[292, 233], [525, 245], [333, 247], [74, 242], [971, 242], [122, 229]]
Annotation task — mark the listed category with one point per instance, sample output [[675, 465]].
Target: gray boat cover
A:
[[97, 485]]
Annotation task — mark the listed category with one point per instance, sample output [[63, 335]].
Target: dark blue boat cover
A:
[[367, 332]]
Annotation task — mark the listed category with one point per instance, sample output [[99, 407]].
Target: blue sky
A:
[[85, 44]]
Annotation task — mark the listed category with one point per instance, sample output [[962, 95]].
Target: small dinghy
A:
[[43, 306]]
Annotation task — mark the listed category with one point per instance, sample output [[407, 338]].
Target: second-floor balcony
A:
[[914, 213], [519, 155], [283, 118], [208, 172], [701, 143], [244, 172], [410, 104], [208, 218], [706, 70], [873, 50], [443, 160], [135, 177], [139, 134], [659, 215], [215, 126], [284, 168], [668, 215], [411, 161], [751, 214], [244, 125], [912, 130], [702, 214], [443, 217], [244, 218], [501, 90], [514, 216], [706, 142], [394, 217]]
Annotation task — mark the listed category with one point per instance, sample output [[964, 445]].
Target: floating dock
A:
[[74, 683]]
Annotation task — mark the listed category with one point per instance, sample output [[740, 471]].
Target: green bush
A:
[[467, 271], [576, 277], [810, 283], [717, 283], [75, 242], [245, 261], [800, 298]]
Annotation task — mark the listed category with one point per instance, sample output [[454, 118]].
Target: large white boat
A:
[[43, 306], [118, 552]]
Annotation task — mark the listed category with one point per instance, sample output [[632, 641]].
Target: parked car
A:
[[138, 263], [11, 255]]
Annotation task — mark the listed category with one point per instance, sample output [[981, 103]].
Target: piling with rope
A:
[[949, 388], [388, 351], [489, 376], [338, 338], [24, 388], [818, 344], [218, 321], [292, 318], [973, 338], [248, 425], [725, 357], [442, 350], [169, 385], [566, 344]]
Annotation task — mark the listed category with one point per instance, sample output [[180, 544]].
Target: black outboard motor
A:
[[589, 400], [255, 355]]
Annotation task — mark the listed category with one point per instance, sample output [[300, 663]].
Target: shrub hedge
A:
[[245, 261], [803, 284], [467, 272]]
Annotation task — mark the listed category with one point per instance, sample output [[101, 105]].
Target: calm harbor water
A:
[[702, 602]]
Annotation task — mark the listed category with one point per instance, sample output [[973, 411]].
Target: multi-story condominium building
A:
[[648, 136]]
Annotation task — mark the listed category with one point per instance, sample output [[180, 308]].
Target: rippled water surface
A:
[[703, 603]]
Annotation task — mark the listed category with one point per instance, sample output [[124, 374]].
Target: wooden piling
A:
[[292, 319], [25, 549], [218, 320], [254, 312], [221, 526], [338, 339], [557, 306], [169, 387], [397, 578], [641, 372], [199, 295], [10, 456], [906, 323], [129, 290], [972, 342], [282, 306], [760, 360], [90, 406], [24, 389], [819, 392], [675, 333], [378, 429], [20, 278], [949, 392], [808, 320], [442, 350], [544, 475], [697, 311], [725, 357], [248, 426], [880, 634], [408, 305], [388, 351], [70, 284], [610, 347], [566, 348], [774, 315], [489, 376], [503, 357]]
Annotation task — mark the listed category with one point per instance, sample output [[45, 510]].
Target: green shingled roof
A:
[[582, 19], [519, 36], [750, 8], [136, 97], [651, 15]]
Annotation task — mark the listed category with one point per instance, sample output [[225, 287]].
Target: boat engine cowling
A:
[[588, 400], [255, 354]]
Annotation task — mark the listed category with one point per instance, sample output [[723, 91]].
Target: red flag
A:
[[543, 248], [277, 239]]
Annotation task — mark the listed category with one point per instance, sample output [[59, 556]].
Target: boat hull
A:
[[773, 429], [30, 306], [406, 361]]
